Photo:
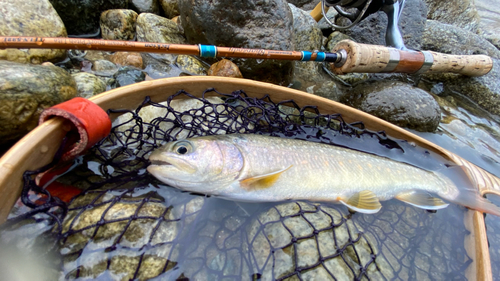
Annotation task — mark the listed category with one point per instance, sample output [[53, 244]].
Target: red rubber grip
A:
[[91, 121]]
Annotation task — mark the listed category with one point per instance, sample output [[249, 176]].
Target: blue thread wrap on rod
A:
[[208, 51], [306, 56], [320, 56]]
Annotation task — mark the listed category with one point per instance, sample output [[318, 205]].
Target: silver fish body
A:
[[258, 168]]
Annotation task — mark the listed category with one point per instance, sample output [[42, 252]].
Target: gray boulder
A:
[[30, 18], [484, 90], [82, 17], [25, 90], [244, 24], [372, 29], [445, 38], [459, 13], [489, 25], [398, 103]]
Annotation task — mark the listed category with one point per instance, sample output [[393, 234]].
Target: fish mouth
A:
[[160, 162]]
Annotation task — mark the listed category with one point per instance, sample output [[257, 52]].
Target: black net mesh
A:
[[126, 225]]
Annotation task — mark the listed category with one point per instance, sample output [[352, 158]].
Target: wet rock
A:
[[158, 69], [127, 58], [224, 68], [445, 38], [328, 90], [127, 75], [191, 65], [153, 28], [325, 27], [489, 25], [304, 239], [25, 90], [145, 6], [372, 29], [459, 13], [302, 3], [149, 113], [118, 24], [88, 84], [334, 39], [484, 90], [96, 230], [170, 7], [33, 18], [307, 37], [82, 17], [398, 103], [246, 24], [104, 67]]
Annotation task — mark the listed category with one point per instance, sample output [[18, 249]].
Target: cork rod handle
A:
[[376, 59]]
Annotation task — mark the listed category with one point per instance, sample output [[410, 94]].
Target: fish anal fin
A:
[[364, 202], [422, 199], [262, 181]]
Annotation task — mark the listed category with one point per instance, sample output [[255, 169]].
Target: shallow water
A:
[[474, 135], [158, 230]]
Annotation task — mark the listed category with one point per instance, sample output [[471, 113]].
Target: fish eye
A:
[[182, 147]]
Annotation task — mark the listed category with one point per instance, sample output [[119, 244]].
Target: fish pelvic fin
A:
[[262, 181], [422, 199], [364, 202]]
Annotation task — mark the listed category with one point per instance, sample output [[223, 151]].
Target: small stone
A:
[[30, 18], [224, 68], [127, 58], [334, 39], [127, 75], [104, 67], [170, 7], [88, 84], [118, 24], [145, 6], [153, 28], [25, 90], [191, 65]]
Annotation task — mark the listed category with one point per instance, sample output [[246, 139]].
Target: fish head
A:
[[202, 165]]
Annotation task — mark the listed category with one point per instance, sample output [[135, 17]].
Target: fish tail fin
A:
[[469, 195], [474, 200]]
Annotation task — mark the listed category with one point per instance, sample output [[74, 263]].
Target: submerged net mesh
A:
[[125, 224]]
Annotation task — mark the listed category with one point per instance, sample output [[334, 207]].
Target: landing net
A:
[[125, 224]]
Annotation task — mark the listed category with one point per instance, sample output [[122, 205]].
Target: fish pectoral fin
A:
[[262, 181], [422, 199], [364, 202]]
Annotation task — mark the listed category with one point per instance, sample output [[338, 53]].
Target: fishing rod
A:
[[346, 57]]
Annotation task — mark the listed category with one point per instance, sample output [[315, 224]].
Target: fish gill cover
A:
[[122, 223]]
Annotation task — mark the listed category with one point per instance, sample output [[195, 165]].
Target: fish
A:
[[258, 168]]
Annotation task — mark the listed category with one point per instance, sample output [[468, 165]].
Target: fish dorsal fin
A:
[[422, 199], [364, 202], [262, 181]]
